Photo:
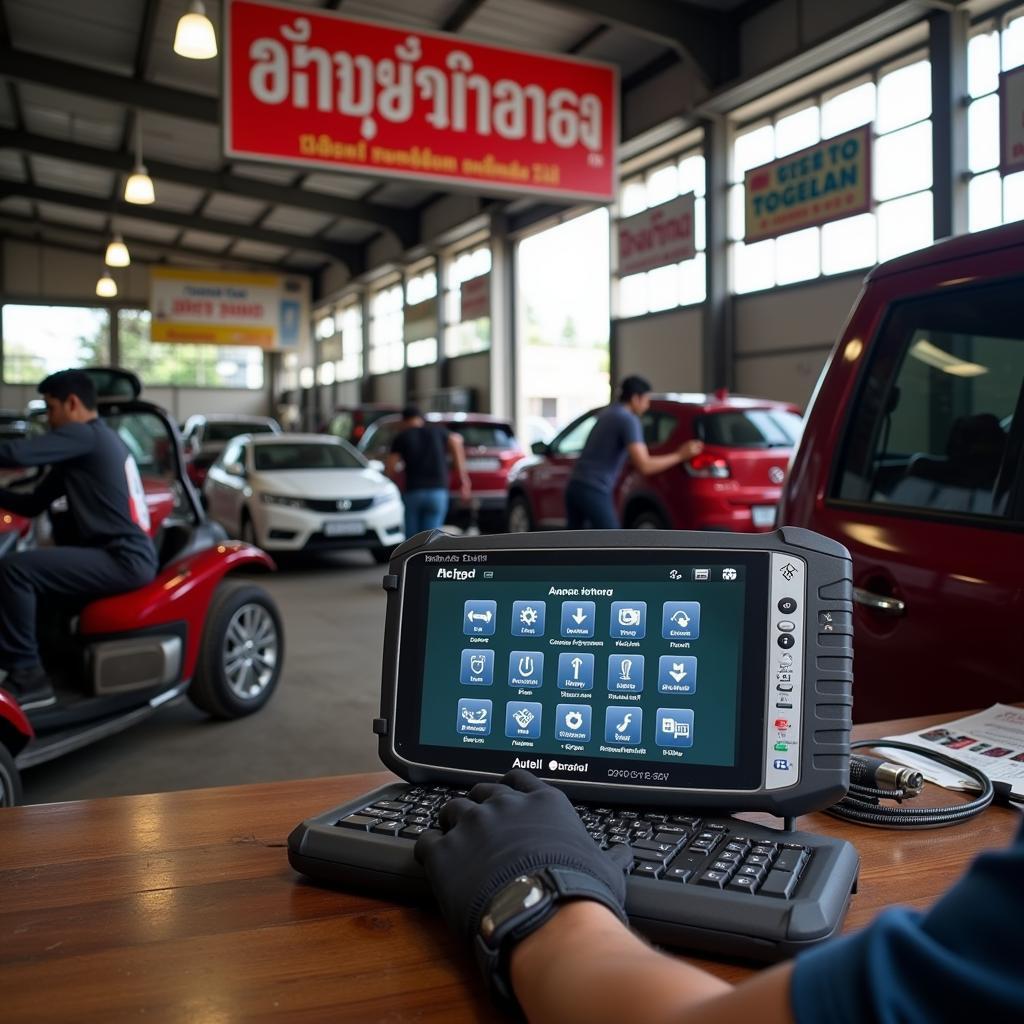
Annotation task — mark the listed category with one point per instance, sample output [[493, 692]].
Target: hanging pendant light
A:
[[194, 37], [138, 188], [117, 253], [106, 286]]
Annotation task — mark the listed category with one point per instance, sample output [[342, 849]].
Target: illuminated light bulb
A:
[[117, 253], [194, 37], [106, 287]]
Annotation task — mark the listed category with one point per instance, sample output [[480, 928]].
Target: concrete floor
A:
[[317, 723]]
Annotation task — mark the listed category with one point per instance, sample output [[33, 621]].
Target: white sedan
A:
[[303, 492]]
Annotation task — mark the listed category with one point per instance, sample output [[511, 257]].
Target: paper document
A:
[[991, 740]]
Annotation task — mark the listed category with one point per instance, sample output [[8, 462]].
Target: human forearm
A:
[[585, 966]]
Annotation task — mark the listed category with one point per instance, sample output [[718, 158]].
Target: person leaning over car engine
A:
[[104, 542]]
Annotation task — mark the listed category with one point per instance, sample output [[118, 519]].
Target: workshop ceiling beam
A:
[[351, 255], [398, 221]]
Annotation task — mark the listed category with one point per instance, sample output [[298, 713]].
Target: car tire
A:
[[382, 555], [230, 682], [10, 779], [647, 518], [518, 518]]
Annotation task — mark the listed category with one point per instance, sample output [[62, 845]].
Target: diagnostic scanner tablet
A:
[[682, 669]]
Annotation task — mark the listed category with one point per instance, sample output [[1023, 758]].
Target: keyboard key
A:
[[714, 879], [723, 865], [388, 828], [684, 819], [730, 856], [712, 827], [360, 821], [384, 815], [650, 844], [764, 849], [650, 855], [779, 884], [742, 883], [678, 875], [689, 861], [790, 860], [672, 838], [678, 830], [648, 869], [758, 858], [412, 831], [751, 871], [737, 848], [391, 805]]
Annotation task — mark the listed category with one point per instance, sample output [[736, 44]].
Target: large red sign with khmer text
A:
[[303, 86]]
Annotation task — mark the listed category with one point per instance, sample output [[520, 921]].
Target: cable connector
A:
[[875, 773]]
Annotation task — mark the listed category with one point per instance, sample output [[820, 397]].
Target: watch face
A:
[[521, 894]]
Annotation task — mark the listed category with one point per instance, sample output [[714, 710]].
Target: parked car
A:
[[192, 631], [304, 492], [350, 422], [205, 437], [734, 484], [913, 457], [12, 425], [491, 452]]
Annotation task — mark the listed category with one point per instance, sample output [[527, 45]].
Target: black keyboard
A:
[[719, 885]]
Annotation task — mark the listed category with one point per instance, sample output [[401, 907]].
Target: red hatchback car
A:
[[913, 457], [734, 484], [491, 452]]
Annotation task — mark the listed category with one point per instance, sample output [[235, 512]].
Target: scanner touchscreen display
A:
[[643, 667]]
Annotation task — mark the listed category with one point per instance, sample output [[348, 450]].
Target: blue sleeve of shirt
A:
[[962, 959], [632, 429]]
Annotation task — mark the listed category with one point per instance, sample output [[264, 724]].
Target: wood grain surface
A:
[[181, 907]]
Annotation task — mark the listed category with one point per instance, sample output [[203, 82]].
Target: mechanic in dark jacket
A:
[[106, 511]]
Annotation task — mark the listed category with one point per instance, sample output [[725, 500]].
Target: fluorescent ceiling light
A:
[[194, 37], [939, 359], [117, 253]]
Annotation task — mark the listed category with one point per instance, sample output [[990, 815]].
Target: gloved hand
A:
[[502, 830]]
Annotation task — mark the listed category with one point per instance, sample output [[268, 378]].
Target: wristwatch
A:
[[519, 908]]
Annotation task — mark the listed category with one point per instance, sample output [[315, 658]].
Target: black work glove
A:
[[505, 829]]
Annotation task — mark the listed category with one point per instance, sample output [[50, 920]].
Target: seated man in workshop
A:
[[110, 550]]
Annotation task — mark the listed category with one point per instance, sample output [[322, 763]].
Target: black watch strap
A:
[[562, 884]]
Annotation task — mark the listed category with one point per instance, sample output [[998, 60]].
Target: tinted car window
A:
[[145, 435], [658, 427], [939, 425], [376, 442], [575, 437], [270, 457], [484, 435], [221, 431], [750, 428]]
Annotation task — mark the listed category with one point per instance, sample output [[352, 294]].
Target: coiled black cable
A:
[[861, 804]]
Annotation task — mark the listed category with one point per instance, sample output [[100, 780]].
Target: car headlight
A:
[[280, 499], [386, 497]]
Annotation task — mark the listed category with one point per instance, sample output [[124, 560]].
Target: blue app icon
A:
[[477, 668], [474, 717], [674, 727], [781, 763], [479, 618], [623, 725], [680, 620], [578, 618], [525, 668], [629, 620], [575, 671], [522, 720], [527, 618], [625, 673], [572, 723], [677, 675]]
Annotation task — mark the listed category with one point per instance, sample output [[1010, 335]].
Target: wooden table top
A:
[[182, 907]]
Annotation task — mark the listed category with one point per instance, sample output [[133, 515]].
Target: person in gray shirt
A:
[[105, 545], [616, 436]]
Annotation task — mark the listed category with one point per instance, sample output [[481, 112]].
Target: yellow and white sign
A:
[[824, 182], [213, 307]]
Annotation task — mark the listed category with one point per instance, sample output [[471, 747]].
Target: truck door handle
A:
[[879, 602]]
